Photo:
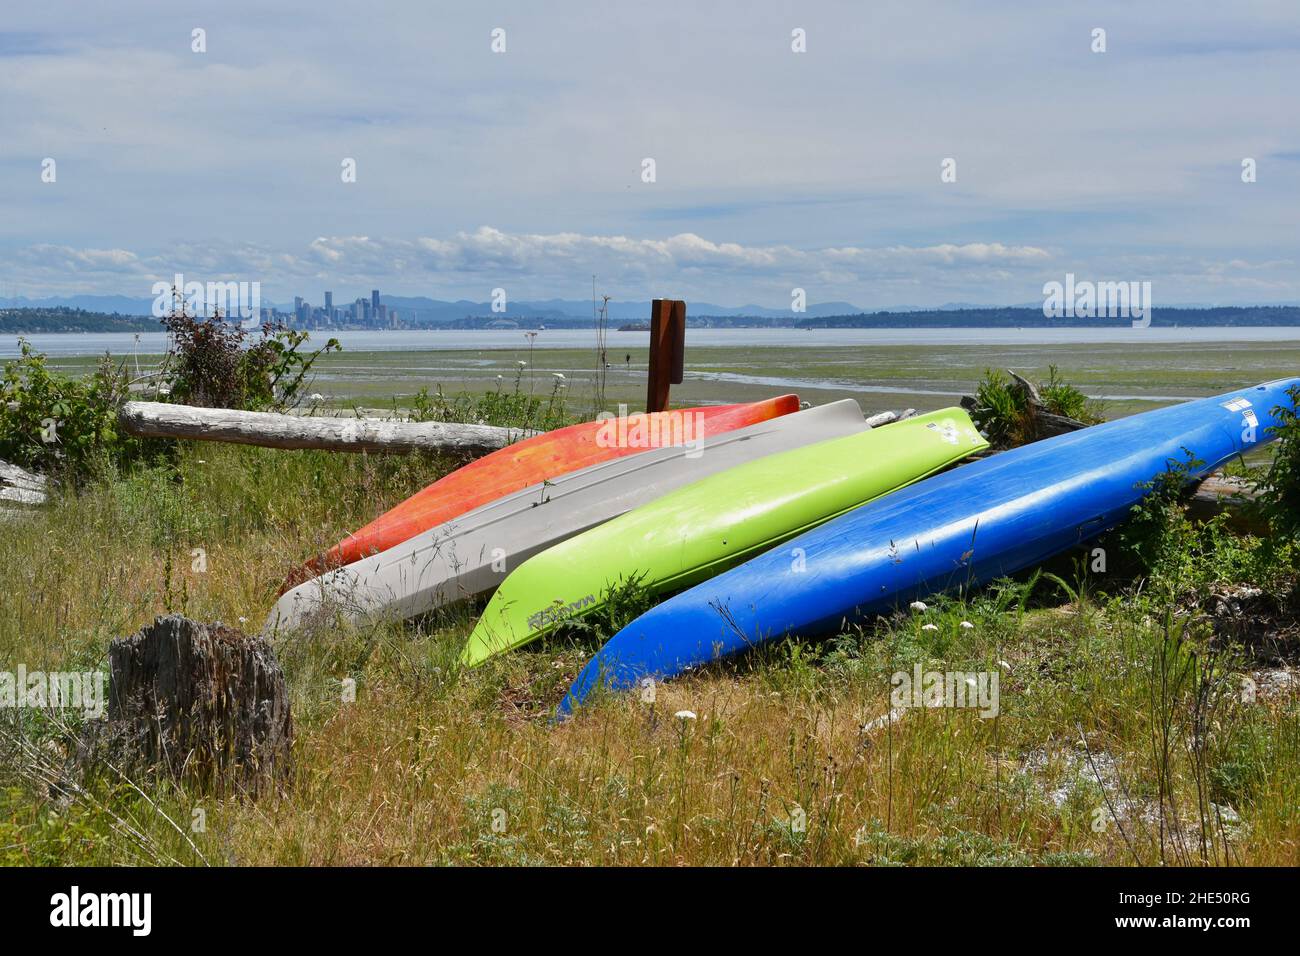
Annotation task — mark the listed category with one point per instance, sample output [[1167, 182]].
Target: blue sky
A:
[[774, 169]]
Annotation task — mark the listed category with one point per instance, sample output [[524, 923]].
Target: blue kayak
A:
[[962, 528]]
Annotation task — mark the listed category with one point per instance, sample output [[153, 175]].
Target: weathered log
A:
[[20, 487], [1049, 423], [16, 477], [1218, 494], [162, 420], [22, 496], [1028, 387], [881, 418], [203, 702]]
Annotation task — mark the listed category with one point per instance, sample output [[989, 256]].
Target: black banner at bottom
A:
[[335, 905]]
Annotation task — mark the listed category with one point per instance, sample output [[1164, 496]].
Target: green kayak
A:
[[704, 528]]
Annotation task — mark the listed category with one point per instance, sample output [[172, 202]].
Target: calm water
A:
[[124, 343]]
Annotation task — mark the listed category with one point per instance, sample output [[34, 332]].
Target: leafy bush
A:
[[211, 364], [1002, 408], [1279, 485], [62, 426], [1179, 556], [1158, 531]]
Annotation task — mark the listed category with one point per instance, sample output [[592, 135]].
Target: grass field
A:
[[1122, 736]]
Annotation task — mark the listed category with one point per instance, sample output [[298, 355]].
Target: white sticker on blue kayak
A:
[[1249, 420], [1237, 404]]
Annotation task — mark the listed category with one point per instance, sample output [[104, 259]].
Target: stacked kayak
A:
[[535, 459], [966, 527], [473, 552], [693, 533]]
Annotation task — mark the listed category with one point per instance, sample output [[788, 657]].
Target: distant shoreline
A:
[[36, 321], [1281, 340]]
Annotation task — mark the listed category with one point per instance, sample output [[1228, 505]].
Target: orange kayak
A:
[[536, 459]]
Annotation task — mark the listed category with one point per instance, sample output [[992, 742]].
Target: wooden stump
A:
[[204, 702]]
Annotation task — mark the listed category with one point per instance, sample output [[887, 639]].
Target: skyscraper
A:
[[374, 301], [329, 304]]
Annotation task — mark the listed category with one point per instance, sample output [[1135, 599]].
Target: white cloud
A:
[[541, 265]]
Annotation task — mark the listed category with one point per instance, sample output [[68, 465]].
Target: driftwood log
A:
[[162, 420], [1218, 494], [19, 488], [203, 702], [888, 418]]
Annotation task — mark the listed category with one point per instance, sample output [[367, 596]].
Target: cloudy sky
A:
[[773, 169]]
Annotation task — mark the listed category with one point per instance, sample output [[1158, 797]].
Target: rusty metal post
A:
[[667, 351]]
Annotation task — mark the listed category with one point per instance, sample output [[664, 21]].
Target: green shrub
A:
[[1003, 412], [1178, 556], [1279, 485], [1061, 398], [1158, 531], [1000, 410], [62, 426]]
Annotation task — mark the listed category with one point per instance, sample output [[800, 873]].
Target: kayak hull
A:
[[964, 528], [535, 459], [711, 524], [474, 552]]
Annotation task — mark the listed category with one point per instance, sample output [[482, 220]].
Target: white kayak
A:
[[473, 554]]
